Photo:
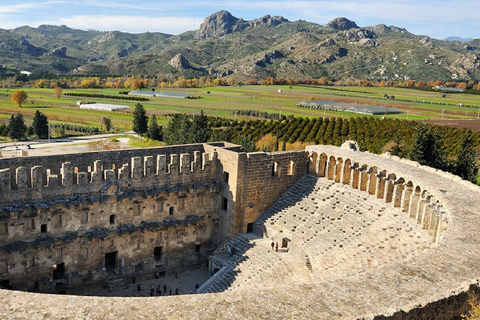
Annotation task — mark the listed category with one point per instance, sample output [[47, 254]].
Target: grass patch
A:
[[143, 143]]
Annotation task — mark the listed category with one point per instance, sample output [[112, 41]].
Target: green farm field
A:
[[222, 101]]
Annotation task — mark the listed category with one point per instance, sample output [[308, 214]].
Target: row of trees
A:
[[170, 81], [17, 130]]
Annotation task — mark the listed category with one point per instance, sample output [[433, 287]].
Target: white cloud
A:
[[133, 24], [18, 7]]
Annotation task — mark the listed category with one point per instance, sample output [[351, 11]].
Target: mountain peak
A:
[[342, 24], [223, 22]]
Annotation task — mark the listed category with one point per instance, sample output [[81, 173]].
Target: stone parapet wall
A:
[[28, 180]]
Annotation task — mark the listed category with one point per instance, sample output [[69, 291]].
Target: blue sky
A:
[[437, 19]]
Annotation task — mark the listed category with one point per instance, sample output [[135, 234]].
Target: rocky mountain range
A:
[[227, 46]]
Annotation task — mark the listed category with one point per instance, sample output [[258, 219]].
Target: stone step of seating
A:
[[116, 284]]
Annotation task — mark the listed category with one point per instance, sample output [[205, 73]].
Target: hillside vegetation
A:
[[228, 47]]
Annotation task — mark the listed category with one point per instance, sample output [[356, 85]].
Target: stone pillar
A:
[[173, 165], [398, 192], [137, 170], [185, 165], [148, 169], [123, 173], [36, 174], [82, 178], [363, 180], [197, 160], [97, 171], [109, 175], [5, 182], [52, 181], [21, 178], [372, 184], [161, 166], [380, 194], [67, 174]]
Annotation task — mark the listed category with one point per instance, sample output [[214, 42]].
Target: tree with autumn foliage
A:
[[19, 97], [58, 92]]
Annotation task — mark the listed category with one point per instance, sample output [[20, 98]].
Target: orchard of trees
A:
[[441, 147]]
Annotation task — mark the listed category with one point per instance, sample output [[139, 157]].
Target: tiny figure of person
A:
[[273, 245], [276, 247], [152, 291], [139, 288], [165, 289], [176, 291], [159, 290]]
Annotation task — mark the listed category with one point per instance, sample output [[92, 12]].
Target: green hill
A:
[[226, 46]]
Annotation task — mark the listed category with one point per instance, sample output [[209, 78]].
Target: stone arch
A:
[[322, 168], [398, 193], [331, 168], [372, 184], [390, 186], [338, 170], [407, 195], [347, 171], [364, 177]]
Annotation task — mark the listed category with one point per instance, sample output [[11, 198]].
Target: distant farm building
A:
[[179, 95], [348, 107], [103, 107]]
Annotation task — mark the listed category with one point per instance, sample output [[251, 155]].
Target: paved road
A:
[[60, 146]]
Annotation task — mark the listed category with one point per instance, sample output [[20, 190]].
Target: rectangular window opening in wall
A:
[[170, 211], [198, 247], [275, 169], [226, 175], [59, 220], [43, 228], [291, 168], [158, 254], [112, 219], [138, 209], [224, 203], [86, 216], [250, 227]]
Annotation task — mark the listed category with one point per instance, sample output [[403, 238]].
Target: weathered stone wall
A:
[[129, 203], [268, 176], [64, 176]]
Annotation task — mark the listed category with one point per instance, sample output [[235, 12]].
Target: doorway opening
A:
[[58, 271], [158, 254], [111, 261]]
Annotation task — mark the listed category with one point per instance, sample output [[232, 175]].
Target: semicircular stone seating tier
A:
[[340, 220]]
